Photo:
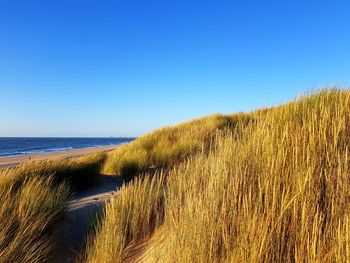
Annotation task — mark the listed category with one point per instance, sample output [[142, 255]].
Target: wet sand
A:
[[12, 161]]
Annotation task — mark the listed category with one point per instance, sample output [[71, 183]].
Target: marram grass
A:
[[266, 186], [168, 146], [273, 187], [34, 196], [27, 213]]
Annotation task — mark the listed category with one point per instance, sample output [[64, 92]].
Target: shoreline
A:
[[12, 161]]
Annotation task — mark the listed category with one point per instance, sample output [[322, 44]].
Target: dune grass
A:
[[266, 186], [167, 146], [275, 189], [27, 213], [139, 203], [79, 172], [34, 197]]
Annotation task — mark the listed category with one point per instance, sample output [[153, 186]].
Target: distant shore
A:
[[12, 161]]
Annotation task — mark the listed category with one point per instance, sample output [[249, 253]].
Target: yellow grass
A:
[[271, 186], [33, 198], [167, 146], [27, 212]]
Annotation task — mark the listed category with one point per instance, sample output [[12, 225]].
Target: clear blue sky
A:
[[122, 68]]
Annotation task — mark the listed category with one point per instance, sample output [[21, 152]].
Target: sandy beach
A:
[[11, 161]]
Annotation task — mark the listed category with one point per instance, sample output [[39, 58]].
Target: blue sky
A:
[[123, 68]]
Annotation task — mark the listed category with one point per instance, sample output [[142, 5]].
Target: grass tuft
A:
[[27, 214], [34, 196]]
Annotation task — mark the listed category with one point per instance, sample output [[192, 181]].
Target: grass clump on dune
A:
[[138, 204], [168, 146], [27, 214], [274, 190], [79, 172], [34, 196]]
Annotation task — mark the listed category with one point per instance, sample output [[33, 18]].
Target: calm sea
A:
[[22, 146]]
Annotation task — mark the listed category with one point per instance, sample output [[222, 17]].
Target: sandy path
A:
[[73, 229], [16, 160]]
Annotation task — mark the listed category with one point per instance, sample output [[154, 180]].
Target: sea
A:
[[14, 146]]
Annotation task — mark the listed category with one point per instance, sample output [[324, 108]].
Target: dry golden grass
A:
[[275, 188], [79, 172], [27, 213], [34, 197], [140, 203], [167, 146]]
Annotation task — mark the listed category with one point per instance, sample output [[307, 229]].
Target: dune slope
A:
[[268, 186]]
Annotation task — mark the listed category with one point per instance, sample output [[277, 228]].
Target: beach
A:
[[12, 161]]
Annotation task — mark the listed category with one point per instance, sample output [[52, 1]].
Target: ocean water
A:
[[24, 145]]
